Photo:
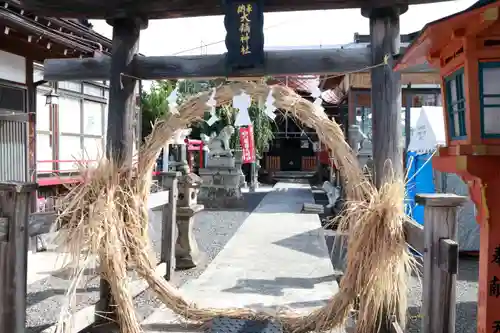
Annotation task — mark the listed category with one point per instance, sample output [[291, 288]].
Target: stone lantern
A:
[[179, 140], [465, 48], [186, 247]]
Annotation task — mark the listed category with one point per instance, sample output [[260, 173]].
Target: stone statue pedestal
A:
[[222, 183], [187, 254]]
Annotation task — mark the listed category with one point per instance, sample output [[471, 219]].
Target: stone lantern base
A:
[[187, 254]]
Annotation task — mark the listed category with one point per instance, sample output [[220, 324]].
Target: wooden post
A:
[[31, 95], [170, 181], [14, 209], [440, 261], [385, 101], [385, 91], [122, 107], [119, 140]]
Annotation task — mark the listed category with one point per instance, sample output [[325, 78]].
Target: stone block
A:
[[219, 171], [221, 197], [232, 180], [207, 180], [218, 179], [221, 162]]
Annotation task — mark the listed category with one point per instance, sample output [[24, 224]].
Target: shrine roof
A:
[[41, 37], [437, 34], [162, 9], [332, 86]]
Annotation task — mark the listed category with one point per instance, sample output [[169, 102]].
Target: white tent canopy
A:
[[428, 131]]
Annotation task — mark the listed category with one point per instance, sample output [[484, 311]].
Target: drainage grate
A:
[[229, 325]]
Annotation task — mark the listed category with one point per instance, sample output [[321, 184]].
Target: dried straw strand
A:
[[107, 216]]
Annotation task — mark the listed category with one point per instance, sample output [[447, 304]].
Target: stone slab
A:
[[219, 186], [232, 180], [157, 199], [277, 259], [229, 325], [219, 171], [221, 197], [224, 162]]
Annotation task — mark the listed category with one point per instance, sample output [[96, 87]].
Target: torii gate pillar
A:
[[385, 91], [122, 106], [385, 100]]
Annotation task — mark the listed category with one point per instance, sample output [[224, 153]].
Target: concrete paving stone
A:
[[277, 259]]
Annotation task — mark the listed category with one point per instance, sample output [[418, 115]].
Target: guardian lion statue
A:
[[219, 144]]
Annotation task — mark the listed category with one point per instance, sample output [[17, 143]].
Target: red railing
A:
[[57, 176], [65, 176]]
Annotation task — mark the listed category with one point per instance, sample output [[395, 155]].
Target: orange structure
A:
[[466, 49]]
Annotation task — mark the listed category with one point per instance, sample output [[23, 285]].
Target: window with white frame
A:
[[70, 85], [93, 118], [44, 130], [489, 73], [70, 109], [85, 137], [78, 129]]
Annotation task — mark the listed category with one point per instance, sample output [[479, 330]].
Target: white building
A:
[[38, 139]]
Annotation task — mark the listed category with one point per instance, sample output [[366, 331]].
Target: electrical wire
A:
[[333, 76], [224, 40], [301, 85]]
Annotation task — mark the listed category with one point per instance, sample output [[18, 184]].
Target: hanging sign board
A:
[[247, 144], [244, 22]]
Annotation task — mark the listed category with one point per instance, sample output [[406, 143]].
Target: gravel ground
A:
[[466, 292], [213, 229]]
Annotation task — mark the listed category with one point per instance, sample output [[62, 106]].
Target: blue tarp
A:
[[420, 180]]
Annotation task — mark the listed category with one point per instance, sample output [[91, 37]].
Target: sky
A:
[[191, 36]]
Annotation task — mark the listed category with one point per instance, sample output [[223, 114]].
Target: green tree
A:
[[154, 104], [263, 128]]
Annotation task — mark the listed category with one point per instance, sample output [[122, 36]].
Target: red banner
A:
[[247, 144]]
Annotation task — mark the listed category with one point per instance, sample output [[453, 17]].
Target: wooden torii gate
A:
[[245, 57]]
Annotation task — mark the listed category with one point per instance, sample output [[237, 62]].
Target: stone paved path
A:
[[278, 258]]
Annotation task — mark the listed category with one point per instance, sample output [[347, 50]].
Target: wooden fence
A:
[[273, 163], [308, 163], [17, 225]]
